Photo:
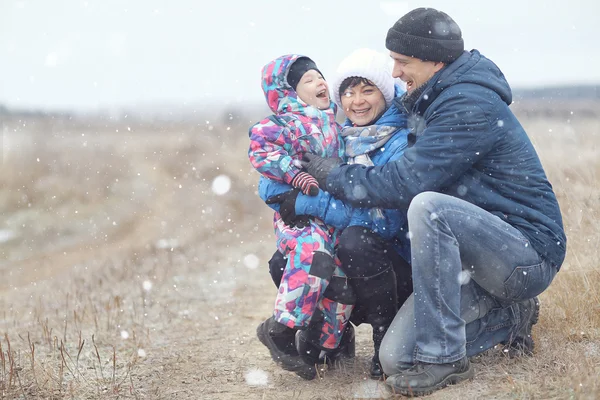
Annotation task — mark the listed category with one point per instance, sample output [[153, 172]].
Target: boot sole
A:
[[287, 362], [451, 379]]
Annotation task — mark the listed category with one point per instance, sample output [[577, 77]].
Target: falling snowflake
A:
[[167, 243], [251, 261], [124, 335], [6, 235], [221, 185], [464, 277], [359, 192], [147, 285], [257, 377]]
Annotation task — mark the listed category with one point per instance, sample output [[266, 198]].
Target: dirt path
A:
[[135, 232]]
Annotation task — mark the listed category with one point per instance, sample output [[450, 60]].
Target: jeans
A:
[[470, 271]]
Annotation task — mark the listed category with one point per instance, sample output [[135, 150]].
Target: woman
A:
[[373, 247]]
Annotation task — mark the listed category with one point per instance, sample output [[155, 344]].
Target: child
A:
[[303, 121]]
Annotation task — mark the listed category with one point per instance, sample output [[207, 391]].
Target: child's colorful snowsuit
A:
[[313, 288]]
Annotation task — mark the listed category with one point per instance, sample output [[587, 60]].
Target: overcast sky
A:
[[99, 53]]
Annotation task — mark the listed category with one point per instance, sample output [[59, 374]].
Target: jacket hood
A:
[[470, 67], [279, 94]]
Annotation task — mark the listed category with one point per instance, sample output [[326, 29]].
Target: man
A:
[[485, 226]]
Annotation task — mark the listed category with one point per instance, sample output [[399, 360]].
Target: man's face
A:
[[313, 90], [413, 71]]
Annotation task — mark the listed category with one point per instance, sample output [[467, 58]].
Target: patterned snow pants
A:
[[311, 266]]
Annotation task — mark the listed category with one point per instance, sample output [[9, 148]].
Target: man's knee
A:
[[393, 358], [387, 360], [424, 202]]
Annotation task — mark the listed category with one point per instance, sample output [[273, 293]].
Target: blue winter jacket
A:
[[467, 144], [335, 212]]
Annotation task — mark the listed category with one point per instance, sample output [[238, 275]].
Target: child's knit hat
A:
[[299, 68], [369, 64]]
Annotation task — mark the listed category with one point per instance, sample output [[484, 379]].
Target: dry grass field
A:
[[127, 271]]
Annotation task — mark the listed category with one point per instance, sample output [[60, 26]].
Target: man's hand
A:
[[287, 208], [319, 167]]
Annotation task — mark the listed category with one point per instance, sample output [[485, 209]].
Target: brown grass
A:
[[98, 210]]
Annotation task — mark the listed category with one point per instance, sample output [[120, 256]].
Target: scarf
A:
[[361, 140]]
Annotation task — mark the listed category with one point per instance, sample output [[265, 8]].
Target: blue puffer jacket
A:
[[334, 212], [468, 144]]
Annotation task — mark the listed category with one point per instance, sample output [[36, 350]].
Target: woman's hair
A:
[[354, 81]]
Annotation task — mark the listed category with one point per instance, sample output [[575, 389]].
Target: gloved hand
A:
[[287, 208], [306, 183], [319, 167]]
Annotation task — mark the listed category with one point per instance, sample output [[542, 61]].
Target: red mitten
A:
[[306, 183]]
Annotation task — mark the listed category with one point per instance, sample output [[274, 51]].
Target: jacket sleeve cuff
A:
[[290, 173], [311, 205]]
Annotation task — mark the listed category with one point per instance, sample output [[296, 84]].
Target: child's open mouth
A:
[[322, 94]]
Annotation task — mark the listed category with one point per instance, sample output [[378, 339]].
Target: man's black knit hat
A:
[[299, 68], [426, 34]]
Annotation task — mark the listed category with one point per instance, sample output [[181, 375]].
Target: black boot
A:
[[378, 299], [308, 341], [521, 342], [345, 353], [312, 353], [280, 340], [425, 378], [376, 372]]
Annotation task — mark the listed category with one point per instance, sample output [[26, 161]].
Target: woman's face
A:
[[363, 104]]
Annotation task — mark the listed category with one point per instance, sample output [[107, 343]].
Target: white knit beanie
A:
[[369, 64]]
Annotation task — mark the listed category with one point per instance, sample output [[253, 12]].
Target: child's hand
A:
[[306, 183]]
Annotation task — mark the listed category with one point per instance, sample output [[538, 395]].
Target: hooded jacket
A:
[[294, 129], [335, 212], [467, 144]]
